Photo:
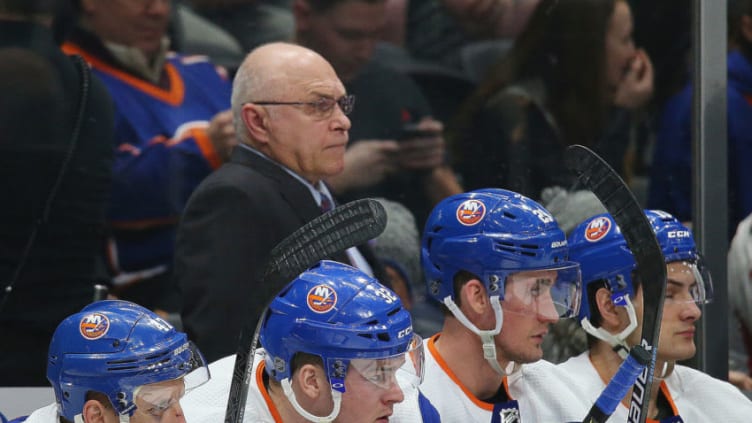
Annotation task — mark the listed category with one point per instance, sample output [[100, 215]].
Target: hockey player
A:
[[611, 314], [337, 346], [497, 261], [116, 361]]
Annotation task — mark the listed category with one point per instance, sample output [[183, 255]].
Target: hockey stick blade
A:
[[596, 175], [343, 227], [353, 223]]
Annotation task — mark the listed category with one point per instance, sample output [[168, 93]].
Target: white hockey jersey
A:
[[208, 402], [46, 414], [694, 396], [538, 391]]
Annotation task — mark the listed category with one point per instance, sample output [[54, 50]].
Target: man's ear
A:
[[94, 412], [311, 379], [302, 12], [610, 319], [475, 297], [256, 121]]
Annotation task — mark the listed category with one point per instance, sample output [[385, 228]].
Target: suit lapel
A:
[[301, 201], [292, 191]]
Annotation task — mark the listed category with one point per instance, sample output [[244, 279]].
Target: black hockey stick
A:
[[346, 226], [597, 176]]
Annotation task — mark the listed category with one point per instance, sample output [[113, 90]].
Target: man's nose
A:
[[394, 394]]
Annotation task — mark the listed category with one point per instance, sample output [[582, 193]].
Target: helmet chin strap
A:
[[486, 336], [617, 341], [666, 370], [336, 398]]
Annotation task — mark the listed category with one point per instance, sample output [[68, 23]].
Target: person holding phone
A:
[[384, 158]]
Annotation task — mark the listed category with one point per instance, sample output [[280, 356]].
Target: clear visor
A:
[[406, 368], [688, 282], [155, 399], [549, 293]]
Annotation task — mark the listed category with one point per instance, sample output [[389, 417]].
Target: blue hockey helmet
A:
[[493, 233], [340, 314], [116, 348], [600, 248]]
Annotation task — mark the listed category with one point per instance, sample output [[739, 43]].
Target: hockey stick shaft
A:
[[346, 226], [596, 175], [619, 385]]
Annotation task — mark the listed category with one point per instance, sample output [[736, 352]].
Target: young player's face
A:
[[159, 403], [155, 403], [528, 311], [680, 313], [367, 400], [310, 141]]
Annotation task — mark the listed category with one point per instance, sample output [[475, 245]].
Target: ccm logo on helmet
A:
[[94, 326], [678, 234], [321, 298], [404, 332], [597, 229], [470, 212]]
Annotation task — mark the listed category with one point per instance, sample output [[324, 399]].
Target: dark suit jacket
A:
[[230, 225]]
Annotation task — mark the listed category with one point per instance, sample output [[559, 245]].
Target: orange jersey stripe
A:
[[265, 393], [207, 147], [440, 360], [173, 96]]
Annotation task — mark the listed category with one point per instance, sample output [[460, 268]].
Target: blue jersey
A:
[[671, 171], [162, 152]]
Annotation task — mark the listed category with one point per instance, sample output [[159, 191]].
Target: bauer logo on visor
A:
[[321, 298], [471, 212], [94, 326], [597, 229]]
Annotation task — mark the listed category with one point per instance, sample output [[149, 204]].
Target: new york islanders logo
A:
[[470, 212], [597, 229], [321, 298], [94, 326]]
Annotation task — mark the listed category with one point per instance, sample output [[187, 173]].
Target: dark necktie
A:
[[326, 203]]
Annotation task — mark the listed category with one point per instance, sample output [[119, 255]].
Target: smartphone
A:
[[411, 130]]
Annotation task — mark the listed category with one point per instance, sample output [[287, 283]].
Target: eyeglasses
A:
[[321, 108]]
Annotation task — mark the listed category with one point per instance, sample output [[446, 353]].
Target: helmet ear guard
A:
[[115, 348]]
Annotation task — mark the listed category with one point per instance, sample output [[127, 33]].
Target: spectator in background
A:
[[172, 128], [571, 77], [671, 172], [398, 248], [116, 361], [665, 31], [438, 30], [290, 111], [384, 159], [251, 22], [55, 174]]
